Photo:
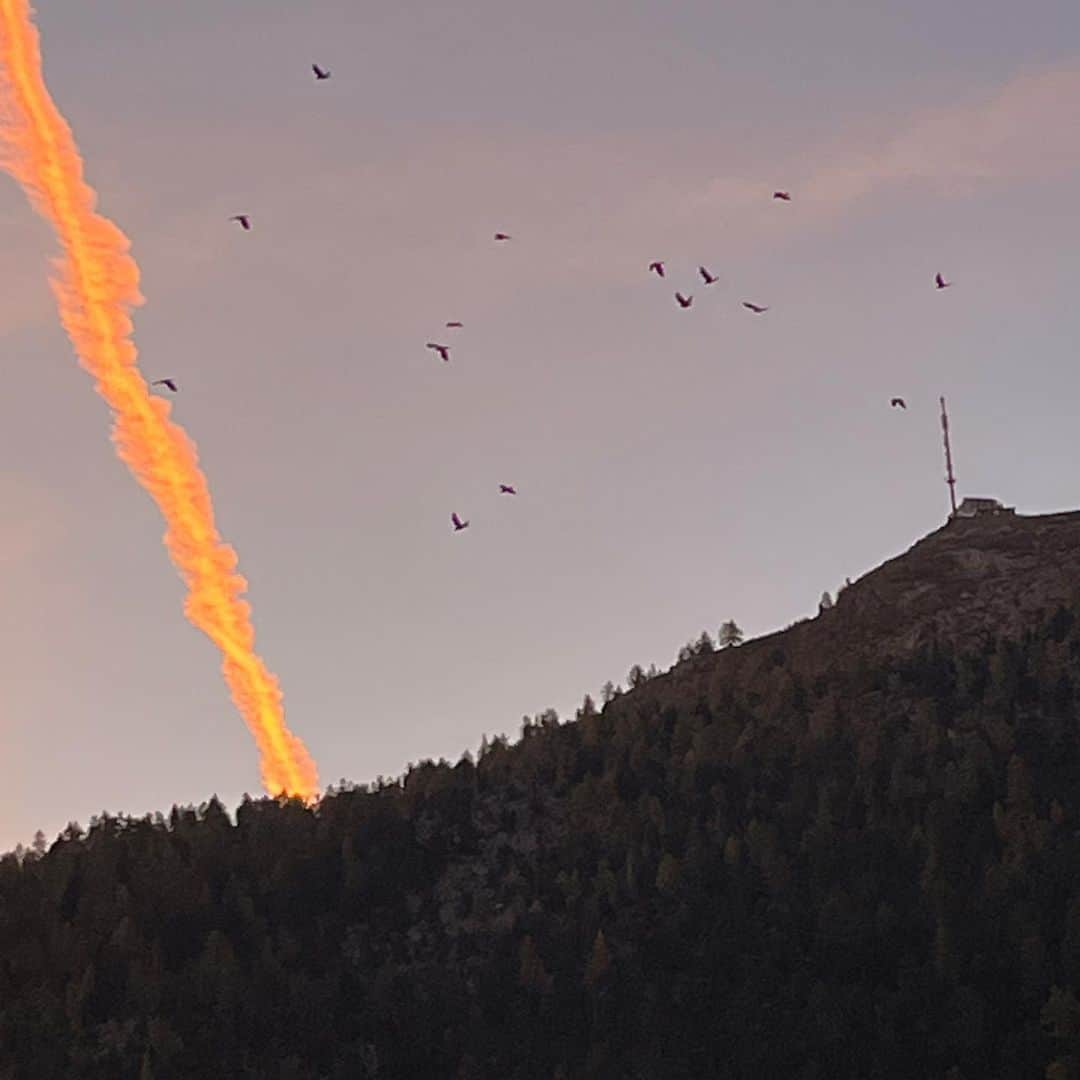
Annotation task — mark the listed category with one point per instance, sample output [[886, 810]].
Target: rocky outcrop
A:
[[969, 582]]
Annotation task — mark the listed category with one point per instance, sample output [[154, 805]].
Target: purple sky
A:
[[675, 469]]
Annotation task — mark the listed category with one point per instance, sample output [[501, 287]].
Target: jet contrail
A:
[[96, 286]]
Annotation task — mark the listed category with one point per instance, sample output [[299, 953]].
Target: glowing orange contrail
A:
[[97, 285]]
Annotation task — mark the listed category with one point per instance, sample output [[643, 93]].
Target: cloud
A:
[[402, 214], [1028, 130]]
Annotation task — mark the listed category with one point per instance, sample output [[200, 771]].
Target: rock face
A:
[[985, 576], [971, 581]]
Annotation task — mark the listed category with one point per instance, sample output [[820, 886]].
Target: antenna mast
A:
[[949, 478]]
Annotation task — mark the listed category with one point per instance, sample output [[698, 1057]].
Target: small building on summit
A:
[[970, 508]]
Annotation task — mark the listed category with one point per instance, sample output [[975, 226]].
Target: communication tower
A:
[[949, 478]]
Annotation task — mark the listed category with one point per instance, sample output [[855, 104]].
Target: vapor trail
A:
[[96, 287]]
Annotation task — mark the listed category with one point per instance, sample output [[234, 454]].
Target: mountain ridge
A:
[[945, 587]]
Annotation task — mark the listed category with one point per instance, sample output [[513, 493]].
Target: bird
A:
[[507, 489], [684, 301], [454, 325], [245, 221], [757, 309], [503, 236], [657, 268], [442, 350], [320, 73], [898, 402], [708, 278], [783, 196], [170, 383], [940, 282], [458, 523]]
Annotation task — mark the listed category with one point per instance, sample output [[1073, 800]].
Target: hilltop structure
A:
[[974, 507]]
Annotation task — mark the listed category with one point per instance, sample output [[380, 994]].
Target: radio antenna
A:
[[949, 478]]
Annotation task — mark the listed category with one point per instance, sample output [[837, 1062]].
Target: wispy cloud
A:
[[1029, 129], [420, 208]]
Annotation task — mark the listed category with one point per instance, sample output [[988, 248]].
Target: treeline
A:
[[730, 635], [873, 876]]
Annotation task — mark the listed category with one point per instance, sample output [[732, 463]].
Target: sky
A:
[[675, 469]]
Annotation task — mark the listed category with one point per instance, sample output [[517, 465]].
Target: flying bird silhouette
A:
[[503, 236], [170, 383], [657, 268], [783, 196], [708, 278], [684, 301], [507, 489], [245, 221], [898, 402], [757, 309], [442, 350], [454, 325], [940, 282], [320, 73], [458, 523]]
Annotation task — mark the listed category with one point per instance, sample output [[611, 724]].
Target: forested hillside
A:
[[849, 850]]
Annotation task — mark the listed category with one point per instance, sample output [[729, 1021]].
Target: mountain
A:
[[848, 849]]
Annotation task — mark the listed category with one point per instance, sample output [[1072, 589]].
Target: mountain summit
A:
[[986, 576]]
